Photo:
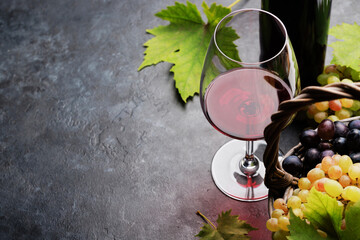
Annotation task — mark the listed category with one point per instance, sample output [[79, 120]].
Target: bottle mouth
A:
[[225, 20]]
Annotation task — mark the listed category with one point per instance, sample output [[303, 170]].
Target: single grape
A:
[[333, 79], [344, 180], [294, 202], [326, 163], [343, 113], [335, 172], [346, 102], [345, 162], [327, 152], [309, 138], [293, 165], [333, 188], [340, 129], [272, 224], [355, 157], [326, 129], [333, 118], [311, 158], [346, 80], [318, 117], [277, 213], [351, 193], [354, 172], [280, 203], [355, 106], [296, 191], [303, 194], [354, 124], [335, 105], [304, 183], [353, 139], [336, 158], [339, 145], [283, 223], [319, 184], [315, 174], [298, 212], [324, 145]]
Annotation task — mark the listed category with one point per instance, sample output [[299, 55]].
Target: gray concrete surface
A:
[[90, 148]]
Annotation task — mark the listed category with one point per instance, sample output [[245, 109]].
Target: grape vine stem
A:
[[234, 3], [206, 219]]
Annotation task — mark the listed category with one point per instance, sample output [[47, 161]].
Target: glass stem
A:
[[249, 154], [249, 164]]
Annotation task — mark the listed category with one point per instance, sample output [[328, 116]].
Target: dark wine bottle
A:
[[307, 24]]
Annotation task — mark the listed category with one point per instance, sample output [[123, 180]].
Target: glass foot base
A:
[[228, 177]]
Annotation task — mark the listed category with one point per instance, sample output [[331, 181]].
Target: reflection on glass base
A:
[[228, 177]]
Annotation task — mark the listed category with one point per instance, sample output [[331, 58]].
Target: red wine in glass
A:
[[240, 102]]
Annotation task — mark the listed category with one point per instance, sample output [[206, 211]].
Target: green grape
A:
[[355, 106], [298, 212], [283, 223], [351, 193], [272, 224], [315, 174], [277, 213], [318, 117], [343, 113], [333, 79], [280, 203], [296, 192], [333, 118], [326, 163], [304, 183], [322, 79], [346, 102], [345, 162], [346, 80], [333, 188], [335, 172], [294, 202], [345, 180], [322, 106], [354, 172], [303, 194]]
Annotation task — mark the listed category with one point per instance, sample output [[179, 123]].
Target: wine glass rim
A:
[[248, 10]]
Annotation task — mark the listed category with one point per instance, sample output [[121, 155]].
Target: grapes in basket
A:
[[337, 109], [326, 201]]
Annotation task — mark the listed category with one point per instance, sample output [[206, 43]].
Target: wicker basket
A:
[[279, 182]]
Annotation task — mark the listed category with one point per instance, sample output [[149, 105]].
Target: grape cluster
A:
[[335, 175], [340, 108], [328, 139]]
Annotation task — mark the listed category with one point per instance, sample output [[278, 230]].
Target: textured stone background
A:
[[90, 147]]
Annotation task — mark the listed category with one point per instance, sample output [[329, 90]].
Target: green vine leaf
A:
[[230, 227], [184, 43]]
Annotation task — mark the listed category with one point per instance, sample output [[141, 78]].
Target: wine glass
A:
[[249, 68]]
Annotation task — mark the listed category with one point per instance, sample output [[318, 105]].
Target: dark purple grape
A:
[[355, 157], [340, 129], [354, 124], [339, 145], [293, 165], [353, 139], [326, 129], [324, 146], [325, 153], [311, 158], [309, 138]]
